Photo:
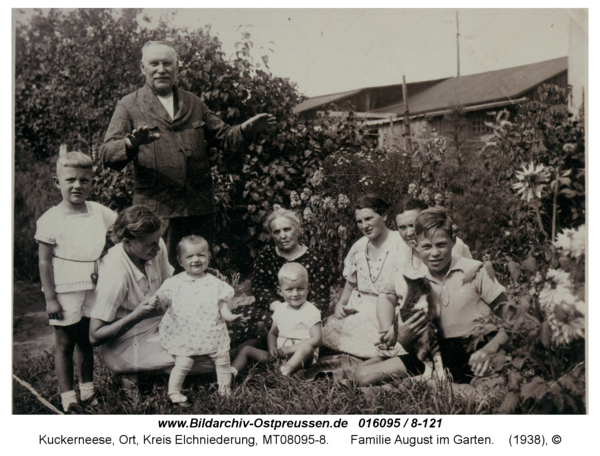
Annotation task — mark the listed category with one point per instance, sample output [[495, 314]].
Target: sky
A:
[[334, 50]]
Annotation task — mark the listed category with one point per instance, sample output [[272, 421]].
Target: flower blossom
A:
[[308, 214], [343, 201], [438, 199], [294, 200], [556, 289], [572, 241], [531, 181], [328, 203], [365, 180], [412, 188], [306, 193], [567, 323], [568, 147], [317, 178]]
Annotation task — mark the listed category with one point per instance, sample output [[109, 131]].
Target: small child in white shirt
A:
[[194, 323], [71, 238], [296, 331]]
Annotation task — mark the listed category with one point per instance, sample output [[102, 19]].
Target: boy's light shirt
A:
[[459, 305], [295, 323], [78, 240]]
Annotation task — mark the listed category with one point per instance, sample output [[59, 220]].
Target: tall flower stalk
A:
[[532, 181]]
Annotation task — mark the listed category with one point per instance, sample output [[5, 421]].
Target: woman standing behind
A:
[[284, 227], [406, 214]]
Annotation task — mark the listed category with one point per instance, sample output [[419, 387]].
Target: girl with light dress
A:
[[194, 323]]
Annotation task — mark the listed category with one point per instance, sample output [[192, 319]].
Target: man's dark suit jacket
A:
[[172, 174]]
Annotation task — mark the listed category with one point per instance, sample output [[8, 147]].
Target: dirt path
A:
[[31, 332]]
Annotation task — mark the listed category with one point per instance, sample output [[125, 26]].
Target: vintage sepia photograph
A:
[[373, 211]]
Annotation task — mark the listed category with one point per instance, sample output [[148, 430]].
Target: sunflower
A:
[[531, 181], [572, 241], [556, 289], [567, 323]]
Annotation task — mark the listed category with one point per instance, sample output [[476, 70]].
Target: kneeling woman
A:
[[123, 321]]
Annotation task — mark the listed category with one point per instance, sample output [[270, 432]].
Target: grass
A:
[[261, 391]]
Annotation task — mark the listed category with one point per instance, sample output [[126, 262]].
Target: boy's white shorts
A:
[[75, 304]]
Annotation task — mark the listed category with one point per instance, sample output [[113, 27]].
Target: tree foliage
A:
[[71, 70]]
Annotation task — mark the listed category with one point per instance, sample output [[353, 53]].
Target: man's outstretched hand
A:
[[259, 123], [141, 136]]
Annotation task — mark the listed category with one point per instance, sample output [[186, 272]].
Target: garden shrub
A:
[[518, 201], [326, 202], [35, 193], [72, 68], [543, 363]]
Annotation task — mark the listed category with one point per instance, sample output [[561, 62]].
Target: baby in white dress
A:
[[194, 323]]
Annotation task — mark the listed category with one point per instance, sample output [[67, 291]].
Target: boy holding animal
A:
[[462, 292]]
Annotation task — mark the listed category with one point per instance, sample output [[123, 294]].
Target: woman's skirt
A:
[[358, 334], [139, 350]]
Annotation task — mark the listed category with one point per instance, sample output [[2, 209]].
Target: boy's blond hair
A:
[[292, 271], [74, 159]]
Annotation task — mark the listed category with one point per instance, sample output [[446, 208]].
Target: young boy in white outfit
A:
[[296, 331], [71, 238]]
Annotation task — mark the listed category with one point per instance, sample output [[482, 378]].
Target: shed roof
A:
[[492, 86], [499, 85], [323, 100]]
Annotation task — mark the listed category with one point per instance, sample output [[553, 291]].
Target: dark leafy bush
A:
[[35, 193], [72, 68], [543, 363]]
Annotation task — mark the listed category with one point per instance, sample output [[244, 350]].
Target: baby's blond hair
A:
[[191, 239], [292, 271]]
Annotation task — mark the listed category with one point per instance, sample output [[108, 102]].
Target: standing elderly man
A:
[[165, 130]]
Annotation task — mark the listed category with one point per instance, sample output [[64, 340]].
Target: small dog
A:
[[426, 346]]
